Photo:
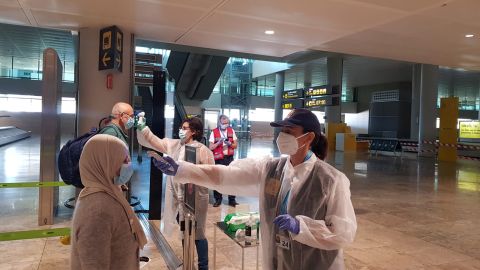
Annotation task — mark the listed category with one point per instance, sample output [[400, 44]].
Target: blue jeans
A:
[[202, 252]]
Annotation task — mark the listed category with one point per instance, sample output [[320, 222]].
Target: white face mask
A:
[[223, 126], [126, 173], [287, 144], [182, 134]]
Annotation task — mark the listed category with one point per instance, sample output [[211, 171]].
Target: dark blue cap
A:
[[300, 117]]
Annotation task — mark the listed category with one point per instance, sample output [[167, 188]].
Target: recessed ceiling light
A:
[[469, 35], [269, 32]]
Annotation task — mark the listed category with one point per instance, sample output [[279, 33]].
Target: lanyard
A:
[[283, 207]]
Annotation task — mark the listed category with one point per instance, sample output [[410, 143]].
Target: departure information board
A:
[[320, 91], [292, 104], [311, 97], [290, 94], [321, 101]]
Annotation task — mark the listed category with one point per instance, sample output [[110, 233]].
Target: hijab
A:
[[100, 161]]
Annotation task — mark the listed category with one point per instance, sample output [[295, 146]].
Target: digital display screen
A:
[[469, 130], [321, 101], [298, 93], [292, 104], [321, 90], [316, 91], [189, 189]]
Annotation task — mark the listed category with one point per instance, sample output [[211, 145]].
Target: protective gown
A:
[[319, 199], [174, 191]]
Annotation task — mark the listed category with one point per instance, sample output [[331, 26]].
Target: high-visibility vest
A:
[[218, 152]]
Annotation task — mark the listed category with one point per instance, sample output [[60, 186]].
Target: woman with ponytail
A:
[[306, 214]]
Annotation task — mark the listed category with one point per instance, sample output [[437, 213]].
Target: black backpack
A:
[[69, 157]]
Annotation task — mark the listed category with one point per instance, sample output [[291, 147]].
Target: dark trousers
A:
[[225, 161], [202, 252]]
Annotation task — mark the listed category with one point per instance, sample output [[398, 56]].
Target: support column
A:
[[428, 109], [415, 109], [478, 97], [279, 86], [50, 136], [307, 78], [95, 101], [333, 114]]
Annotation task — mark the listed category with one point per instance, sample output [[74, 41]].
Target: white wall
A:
[[358, 122], [261, 68], [95, 100]]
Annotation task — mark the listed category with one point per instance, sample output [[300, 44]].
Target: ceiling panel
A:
[[325, 14], [156, 32], [9, 3], [12, 15], [208, 40], [462, 11], [67, 21], [186, 3], [386, 45], [142, 30], [439, 32], [127, 11], [403, 5], [230, 25]]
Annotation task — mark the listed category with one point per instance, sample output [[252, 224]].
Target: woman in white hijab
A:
[[106, 233]]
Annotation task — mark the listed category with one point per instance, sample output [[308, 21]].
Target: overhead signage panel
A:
[[290, 94], [321, 90], [110, 49], [469, 130], [292, 104], [321, 102]]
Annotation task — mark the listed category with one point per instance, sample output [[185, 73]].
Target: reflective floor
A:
[[412, 213]]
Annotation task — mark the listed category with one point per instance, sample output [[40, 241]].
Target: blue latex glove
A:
[[168, 166], [288, 223], [228, 143]]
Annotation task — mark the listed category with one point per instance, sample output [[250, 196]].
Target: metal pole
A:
[[50, 135]]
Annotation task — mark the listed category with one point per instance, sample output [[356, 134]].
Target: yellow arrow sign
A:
[[105, 58]]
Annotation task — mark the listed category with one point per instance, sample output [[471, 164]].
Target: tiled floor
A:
[[412, 213]]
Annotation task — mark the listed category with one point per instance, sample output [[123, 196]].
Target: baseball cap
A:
[[299, 117]]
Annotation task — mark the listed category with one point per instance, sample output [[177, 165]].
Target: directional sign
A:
[[292, 104], [298, 93], [321, 90], [110, 49], [322, 101]]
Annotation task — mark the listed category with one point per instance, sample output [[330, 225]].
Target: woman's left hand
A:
[[287, 222]]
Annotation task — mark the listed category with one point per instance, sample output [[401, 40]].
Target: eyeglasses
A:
[[185, 128]]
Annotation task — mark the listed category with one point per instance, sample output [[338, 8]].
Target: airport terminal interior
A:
[[395, 86]]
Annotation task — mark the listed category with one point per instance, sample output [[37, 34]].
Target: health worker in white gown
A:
[[306, 214]]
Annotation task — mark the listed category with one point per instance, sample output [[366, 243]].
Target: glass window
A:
[[25, 103]]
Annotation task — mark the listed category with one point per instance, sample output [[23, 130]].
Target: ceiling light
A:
[[269, 32], [469, 35]]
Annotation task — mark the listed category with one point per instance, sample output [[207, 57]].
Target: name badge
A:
[[272, 187], [282, 242]]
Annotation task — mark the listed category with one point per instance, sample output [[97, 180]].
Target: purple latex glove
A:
[[167, 165], [287, 222], [228, 143]]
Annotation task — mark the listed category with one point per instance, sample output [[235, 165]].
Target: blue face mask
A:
[[126, 173], [130, 123]]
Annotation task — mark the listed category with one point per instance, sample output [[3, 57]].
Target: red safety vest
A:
[[218, 152]]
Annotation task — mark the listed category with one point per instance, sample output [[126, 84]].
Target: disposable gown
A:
[[319, 199], [174, 191]]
